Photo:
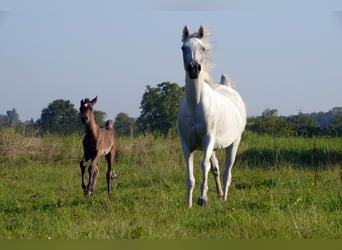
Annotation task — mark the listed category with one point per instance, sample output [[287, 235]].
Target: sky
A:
[[284, 55]]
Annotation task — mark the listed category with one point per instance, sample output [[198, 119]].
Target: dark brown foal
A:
[[96, 143]]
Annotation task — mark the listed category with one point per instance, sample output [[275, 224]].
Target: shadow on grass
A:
[[316, 158]]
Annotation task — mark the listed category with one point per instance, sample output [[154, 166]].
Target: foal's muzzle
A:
[[194, 69]]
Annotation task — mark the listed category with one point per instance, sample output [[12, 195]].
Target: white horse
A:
[[211, 116]]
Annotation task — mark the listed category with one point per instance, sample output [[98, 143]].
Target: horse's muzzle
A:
[[194, 69]]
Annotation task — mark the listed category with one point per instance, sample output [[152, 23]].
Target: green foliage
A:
[[336, 125], [269, 123], [60, 117], [13, 118], [41, 194], [303, 125], [159, 108], [124, 125], [100, 117]]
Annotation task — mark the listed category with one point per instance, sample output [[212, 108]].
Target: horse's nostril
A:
[[194, 66]]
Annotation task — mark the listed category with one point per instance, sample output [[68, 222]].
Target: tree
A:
[[336, 125], [13, 118], [303, 125], [124, 125], [159, 108], [100, 117], [60, 117], [4, 122], [269, 123]]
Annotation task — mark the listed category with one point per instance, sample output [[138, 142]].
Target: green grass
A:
[[273, 195]]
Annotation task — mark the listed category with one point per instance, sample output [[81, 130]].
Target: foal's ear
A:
[[93, 101], [200, 32], [185, 32]]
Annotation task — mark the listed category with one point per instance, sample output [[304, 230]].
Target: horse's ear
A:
[[93, 101], [200, 32], [185, 32]]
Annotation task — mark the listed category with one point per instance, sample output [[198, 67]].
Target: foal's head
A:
[[86, 110], [195, 50]]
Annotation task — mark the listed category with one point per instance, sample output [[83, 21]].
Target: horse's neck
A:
[[195, 89]]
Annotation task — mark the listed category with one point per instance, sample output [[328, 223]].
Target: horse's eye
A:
[[203, 48]]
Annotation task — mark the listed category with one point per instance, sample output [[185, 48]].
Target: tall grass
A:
[[273, 194]]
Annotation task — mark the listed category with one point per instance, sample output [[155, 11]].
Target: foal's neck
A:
[[92, 128]]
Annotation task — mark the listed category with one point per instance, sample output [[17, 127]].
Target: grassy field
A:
[[282, 188]]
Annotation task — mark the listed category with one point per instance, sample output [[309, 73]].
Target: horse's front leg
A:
[[190, 179], [208, 147], [83, 167]]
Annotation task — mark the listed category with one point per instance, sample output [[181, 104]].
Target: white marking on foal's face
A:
[[193, 56]]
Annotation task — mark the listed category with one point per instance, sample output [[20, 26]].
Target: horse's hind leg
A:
[[216, 173], [230, 159]]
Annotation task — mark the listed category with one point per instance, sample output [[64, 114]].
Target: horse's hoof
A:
[[202, 201], [114, 176]]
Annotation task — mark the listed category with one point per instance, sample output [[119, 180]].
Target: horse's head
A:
[[86, 109], [194, 52]]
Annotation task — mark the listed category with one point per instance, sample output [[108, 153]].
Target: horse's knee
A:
[[191, 183]]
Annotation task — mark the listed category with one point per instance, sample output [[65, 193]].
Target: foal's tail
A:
[[109, 124], [225, 80]]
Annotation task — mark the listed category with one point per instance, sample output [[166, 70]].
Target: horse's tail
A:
[[225, 80]]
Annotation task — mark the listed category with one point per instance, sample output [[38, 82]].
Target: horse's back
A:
[[233, 99]]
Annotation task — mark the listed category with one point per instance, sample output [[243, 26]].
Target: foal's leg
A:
[[216, 173], [93, 174], [208, 147], [83, 167], [110, 160], [230, 159]]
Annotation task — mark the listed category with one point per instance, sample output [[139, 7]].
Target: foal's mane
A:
[[207, 66]]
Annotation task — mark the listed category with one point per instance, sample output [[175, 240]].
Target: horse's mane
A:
[[208, 65]]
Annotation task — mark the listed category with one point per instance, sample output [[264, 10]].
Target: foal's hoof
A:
[[87, 193], [202, 201], [113, 175]]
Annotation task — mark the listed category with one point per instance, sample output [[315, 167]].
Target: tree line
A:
[[307, 125], [159, 108]]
